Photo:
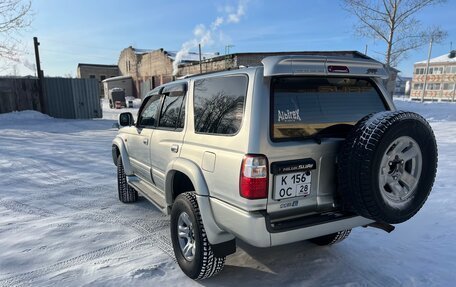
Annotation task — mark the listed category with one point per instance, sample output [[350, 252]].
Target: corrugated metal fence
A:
[[72, 98], [63, 97]]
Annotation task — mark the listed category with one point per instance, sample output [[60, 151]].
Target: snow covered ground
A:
[[61, 223]]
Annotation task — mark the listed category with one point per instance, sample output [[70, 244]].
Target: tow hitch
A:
[[383, 226]]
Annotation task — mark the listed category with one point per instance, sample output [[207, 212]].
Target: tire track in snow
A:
[[61, 265], [45, 175], [23, 208], [158, 239], [370, 277]]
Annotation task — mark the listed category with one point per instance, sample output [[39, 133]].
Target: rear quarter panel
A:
[[220, 156]]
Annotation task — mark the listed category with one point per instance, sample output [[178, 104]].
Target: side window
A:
[[172, 112], [219, 104], [148, 114]]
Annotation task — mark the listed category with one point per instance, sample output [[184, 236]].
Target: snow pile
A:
[[23, 115], [433, 111]]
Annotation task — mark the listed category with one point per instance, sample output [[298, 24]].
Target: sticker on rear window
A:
[[289, 116]]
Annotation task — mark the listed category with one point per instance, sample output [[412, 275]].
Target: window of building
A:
[[433, 86], [152, 83], [219, 104], [92, 77], [172, 113], [419, 71], [435, 70], [102, 77], [418, 86], [448, 86]]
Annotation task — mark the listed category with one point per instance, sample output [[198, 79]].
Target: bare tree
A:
[[393, 22], [15, 16]]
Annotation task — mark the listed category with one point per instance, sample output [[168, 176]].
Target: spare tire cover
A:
[[387, 166]]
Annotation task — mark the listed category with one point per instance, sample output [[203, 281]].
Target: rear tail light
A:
[[253, 183], [338, 69]]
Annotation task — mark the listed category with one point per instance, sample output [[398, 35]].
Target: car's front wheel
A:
[[127, 193], [192, 249]]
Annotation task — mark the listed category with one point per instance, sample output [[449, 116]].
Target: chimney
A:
[[452, 54]]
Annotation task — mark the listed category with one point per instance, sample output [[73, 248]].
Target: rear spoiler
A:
[[323, 65]]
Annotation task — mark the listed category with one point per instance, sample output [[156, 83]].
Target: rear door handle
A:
[[175, 148], [145, 141]]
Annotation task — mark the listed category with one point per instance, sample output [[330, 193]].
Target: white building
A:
[[440, 80]]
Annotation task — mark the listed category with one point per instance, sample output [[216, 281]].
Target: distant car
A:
[[300, 148]]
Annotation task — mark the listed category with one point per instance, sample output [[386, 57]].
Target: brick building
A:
[[97, 71], [440, 78], [151, 68]]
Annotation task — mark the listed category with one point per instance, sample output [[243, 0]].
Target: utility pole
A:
[[201, 66], [39, 73], [227, 52], [427, 64], [365, 51]]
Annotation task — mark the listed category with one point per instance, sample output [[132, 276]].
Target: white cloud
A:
[[204, 36]]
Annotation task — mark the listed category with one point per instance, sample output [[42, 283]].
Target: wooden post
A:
[[201, 67], [40, 74]]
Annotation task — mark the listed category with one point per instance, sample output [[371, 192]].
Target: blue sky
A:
[[85, 31]]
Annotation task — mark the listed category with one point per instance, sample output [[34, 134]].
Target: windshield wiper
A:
[[334, 131]]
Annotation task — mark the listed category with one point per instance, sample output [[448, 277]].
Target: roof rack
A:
[[189, 76]]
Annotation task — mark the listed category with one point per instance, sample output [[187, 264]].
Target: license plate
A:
[[292, 185]]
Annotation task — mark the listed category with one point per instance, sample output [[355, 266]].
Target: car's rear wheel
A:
[[192, 249], [127, 193], [332, 238]]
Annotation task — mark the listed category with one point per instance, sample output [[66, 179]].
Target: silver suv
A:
[[302, 147]]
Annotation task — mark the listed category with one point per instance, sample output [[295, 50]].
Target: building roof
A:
[[96, 65], [352, 54], [189, 57], [142, 51], [116, 78], [441, 59], [192, 56]]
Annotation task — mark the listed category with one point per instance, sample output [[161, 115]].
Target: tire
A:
[[204, 263], [127, 194], [378, 177], [331, 239]]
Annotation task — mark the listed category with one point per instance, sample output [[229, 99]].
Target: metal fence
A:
[[63, 97], [72, 98]]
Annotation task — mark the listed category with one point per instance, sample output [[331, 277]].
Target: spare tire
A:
[[387, 166]]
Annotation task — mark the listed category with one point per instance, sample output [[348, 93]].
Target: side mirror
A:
[[126, 119]]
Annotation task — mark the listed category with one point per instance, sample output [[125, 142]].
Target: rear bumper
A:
[[252, 227]]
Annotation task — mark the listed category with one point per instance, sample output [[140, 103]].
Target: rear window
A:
[[302, 107], [219, 104]]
